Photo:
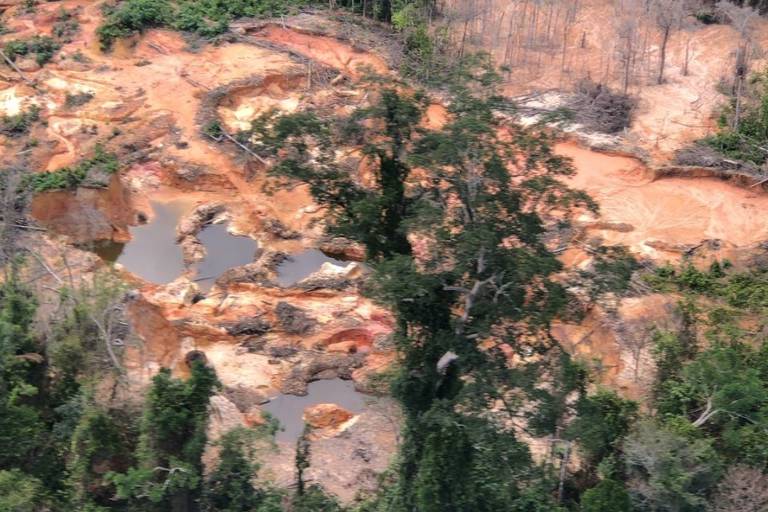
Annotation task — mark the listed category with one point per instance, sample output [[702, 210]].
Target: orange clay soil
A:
[[326, 50], [673, 211]]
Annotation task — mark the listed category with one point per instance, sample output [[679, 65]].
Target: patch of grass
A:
[[43, 48], [206, 18], [71, 177], [213, 129], [19, 124], [80, 57], [77, 99], [30, 6], [66, 29]]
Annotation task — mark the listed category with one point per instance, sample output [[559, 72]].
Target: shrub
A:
[[607, 496], [42, 47], [19, 124], [206, 18], [72, 177], [77, 99], [747, 140], [613, 270], [66, 25], [131, 17]]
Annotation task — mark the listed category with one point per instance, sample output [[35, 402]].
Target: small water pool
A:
[[288, 409], [152, 254], [223, 251], [303, 264]]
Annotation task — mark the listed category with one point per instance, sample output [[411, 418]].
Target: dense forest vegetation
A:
[[478, 372]]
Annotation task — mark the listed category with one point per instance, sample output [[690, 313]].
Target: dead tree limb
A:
[[17, 70]]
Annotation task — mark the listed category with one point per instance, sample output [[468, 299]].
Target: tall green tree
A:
[[22, 427], [602, 421], [171, 443], [607, 496], [485, 276], [229, 487], [306, 145], [482, 274]]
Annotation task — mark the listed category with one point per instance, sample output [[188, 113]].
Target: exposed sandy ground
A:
[[668, 212]]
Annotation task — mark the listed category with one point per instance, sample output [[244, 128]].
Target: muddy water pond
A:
[[223, 251], [152, 254], [288, 409], [301, 265]]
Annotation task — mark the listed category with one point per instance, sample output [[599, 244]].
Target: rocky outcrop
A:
[[279, 230], [294, 320], [248, 327], [323, 416], [342, 248], [325, 366], [333, 277], [349, 341], [261, 272], [366, 444], [190, 225]]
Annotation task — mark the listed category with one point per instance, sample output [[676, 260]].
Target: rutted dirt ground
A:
[[151, 96]]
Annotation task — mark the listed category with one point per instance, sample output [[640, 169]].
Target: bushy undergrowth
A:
[[742, 290], [66, 26], [43, 48], [612, 271], [19, 124], [747, 139], [71, 177], [206, 18], [78, 99]]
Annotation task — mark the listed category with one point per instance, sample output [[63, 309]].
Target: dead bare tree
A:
[[571, 16], [629, 23], [627, 31], [668, 17], [743, 489], [743, 20], [688, 28]]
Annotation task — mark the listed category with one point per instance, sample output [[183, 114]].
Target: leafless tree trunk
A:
[[687, 55], [663, 54], [668, 16], [563, 471], [743, 20], [741, 74]]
